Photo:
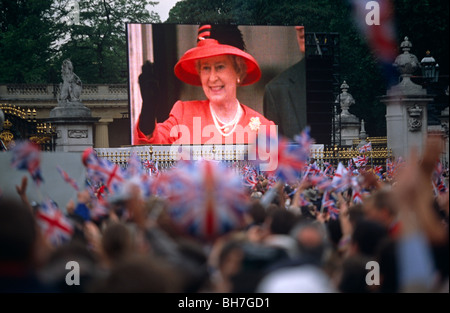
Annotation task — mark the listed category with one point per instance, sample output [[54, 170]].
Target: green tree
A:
[[202, 11], [27, 31], [97, 44]]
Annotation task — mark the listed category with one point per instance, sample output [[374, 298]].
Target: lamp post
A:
[[430, 69], [430, 76]]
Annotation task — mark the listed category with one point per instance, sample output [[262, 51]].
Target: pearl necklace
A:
[[226, 126]]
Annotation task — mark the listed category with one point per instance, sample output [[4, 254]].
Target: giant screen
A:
[[169, 104]]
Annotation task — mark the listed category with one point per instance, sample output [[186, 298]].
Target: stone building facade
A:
[[108, 103]]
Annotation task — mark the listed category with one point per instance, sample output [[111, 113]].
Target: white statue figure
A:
[[70, 88]]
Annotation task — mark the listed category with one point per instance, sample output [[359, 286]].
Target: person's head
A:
[[354, 274], [139, 274], [117, 241], [387, 258], [54, 271], [367, 236], [355, 213], [220, 75], [18, 233], [380, 207], [256, 213], [218, 63], [312, 240], [280, 221]]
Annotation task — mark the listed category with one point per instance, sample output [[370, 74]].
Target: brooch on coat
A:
[[254, 123]]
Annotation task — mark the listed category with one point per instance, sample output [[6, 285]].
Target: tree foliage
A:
[[97, 44], [26, 34], [36, 36]]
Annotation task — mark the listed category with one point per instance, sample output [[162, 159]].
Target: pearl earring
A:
[[238, 80]]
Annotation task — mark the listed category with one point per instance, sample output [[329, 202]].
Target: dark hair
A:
[[257, 212], [387, 257], [383, 199], [368, 235], [282, 221], [353, 275], [18, 231]]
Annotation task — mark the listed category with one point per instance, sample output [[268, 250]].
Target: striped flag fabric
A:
[[56, 227], [291, 161], [72, 182], [102, 172], [360, 161], [27, 156], [341, 179], [376, 22], [207, 199], [329, 203], [366, 148], [152, 167]]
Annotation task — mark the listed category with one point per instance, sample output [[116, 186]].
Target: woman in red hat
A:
[[221, 119]]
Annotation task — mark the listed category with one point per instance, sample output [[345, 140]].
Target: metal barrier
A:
[[232, 155]]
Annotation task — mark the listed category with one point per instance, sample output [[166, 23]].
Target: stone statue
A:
[[345, 99], [69, 103], [70, 88]]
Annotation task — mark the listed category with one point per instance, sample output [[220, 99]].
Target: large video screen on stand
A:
[[278, 95]]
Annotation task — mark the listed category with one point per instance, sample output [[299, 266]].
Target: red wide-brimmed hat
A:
[[186, 69]]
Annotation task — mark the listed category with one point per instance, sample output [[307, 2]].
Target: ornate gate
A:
[[21, 124]]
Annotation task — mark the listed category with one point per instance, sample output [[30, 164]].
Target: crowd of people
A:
[[269, 237]]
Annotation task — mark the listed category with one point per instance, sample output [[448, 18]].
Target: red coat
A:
[[191, 122]]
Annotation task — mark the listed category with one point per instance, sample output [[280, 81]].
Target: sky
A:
[[163, 8]]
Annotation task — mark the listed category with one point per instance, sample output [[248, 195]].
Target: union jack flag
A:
[[441, 186], [209, 199], [152, 167], [377, 170], [393, 166], [247, 170], [390, 168], [303, 201], [438, 178], [72, 182], [329, 203], [314, 170], [291, 161], [350, 166], [56, 227], [27, 156], [288, 159], [341, 179], [380, 34], [304, 142], [324, 183], [366, 148], [99, 209], [102, 172], [134, 166], [357, 198], [251, 181], [360, 161], [329, 169], [135, 172], [272, 181]]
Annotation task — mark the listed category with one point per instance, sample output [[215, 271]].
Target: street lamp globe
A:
[[430, 69]]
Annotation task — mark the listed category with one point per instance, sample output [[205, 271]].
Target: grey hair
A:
[[238, 63]]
